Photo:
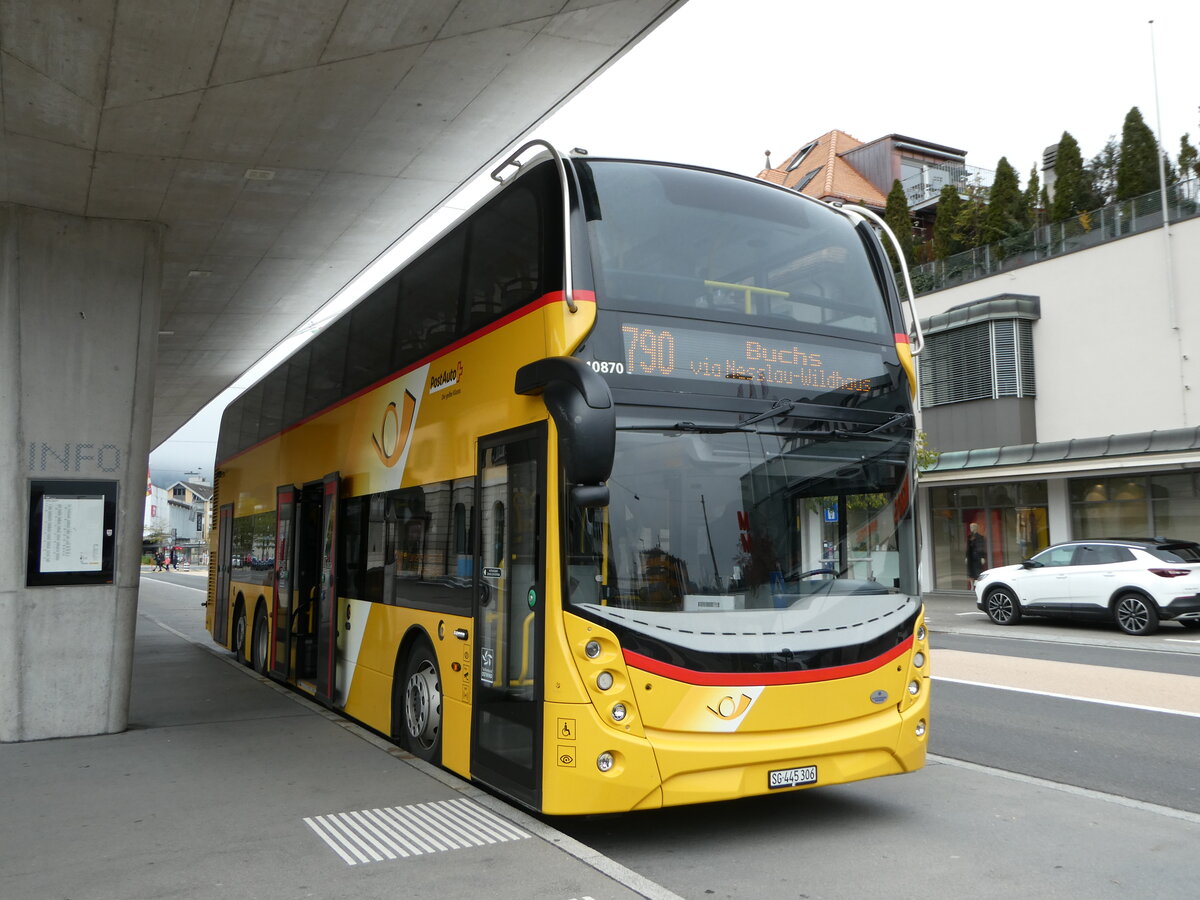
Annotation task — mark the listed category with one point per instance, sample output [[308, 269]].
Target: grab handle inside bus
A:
[[580, 402]]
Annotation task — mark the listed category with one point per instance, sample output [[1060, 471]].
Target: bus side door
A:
[[284, 562], [510, 585]]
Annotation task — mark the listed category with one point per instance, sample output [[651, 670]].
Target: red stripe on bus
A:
[[754, 679], [901, 338]]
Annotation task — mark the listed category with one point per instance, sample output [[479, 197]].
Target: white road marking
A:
[[372, 835]]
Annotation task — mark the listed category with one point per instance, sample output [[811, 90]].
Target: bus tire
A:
[[237, 640], [421, 704], [261, 642]]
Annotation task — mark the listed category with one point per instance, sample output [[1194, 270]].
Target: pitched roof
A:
[[818, 170]]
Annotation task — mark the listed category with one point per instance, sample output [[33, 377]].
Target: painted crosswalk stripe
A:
[[398, 832]]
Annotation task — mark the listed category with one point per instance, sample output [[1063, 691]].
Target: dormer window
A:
[[799, 157]]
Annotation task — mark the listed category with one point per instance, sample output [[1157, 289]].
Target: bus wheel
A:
[[422, 732], [262, 637], [239, 635]]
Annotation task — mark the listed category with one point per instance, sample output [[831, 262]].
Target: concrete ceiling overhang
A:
[[283, 144]]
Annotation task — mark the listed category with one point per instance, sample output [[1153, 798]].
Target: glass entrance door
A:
[[510, 597]]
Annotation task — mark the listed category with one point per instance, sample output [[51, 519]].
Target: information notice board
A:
[[72, 532]]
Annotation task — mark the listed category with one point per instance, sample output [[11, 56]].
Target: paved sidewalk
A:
[[228, 785]]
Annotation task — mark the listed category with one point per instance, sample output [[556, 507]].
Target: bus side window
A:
[[503, 257], [430, 291]]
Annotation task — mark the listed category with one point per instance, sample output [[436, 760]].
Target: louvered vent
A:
[[979, 361]]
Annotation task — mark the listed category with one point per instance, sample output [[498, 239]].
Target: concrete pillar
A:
[[79, 311]]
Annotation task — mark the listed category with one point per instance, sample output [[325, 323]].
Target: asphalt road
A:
[[1063, 764]]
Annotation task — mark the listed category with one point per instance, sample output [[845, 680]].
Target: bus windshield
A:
[[682, 241], [767, 516]]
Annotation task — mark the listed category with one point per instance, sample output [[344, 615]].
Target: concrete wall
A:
[[1108, 356], [78, 335]]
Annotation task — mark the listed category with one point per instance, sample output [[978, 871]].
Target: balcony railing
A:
[[1117, 220], [926, 185]]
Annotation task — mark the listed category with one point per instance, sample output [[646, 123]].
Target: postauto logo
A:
[[446, 379]]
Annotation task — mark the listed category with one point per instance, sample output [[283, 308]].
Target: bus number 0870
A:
[[604, 367]]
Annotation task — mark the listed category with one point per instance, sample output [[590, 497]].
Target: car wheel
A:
[[422, 705], [1135, 614], [262, 638], [1002, 607]]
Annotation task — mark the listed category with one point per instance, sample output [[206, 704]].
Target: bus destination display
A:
[[710, 356]]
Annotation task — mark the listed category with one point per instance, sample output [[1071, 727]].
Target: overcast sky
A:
[[720, 82]]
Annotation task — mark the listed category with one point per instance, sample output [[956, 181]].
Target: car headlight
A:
[[982, 576]]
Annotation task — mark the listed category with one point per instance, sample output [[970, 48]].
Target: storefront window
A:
[[1136, 506], [979, 526]]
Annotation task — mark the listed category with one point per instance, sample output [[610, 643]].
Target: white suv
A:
[[1134, 582]]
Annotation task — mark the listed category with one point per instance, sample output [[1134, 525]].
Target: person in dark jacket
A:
[[976, 552]]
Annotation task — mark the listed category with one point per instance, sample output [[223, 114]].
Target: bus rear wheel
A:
[[422, 705], [238, 643], [262, 638]]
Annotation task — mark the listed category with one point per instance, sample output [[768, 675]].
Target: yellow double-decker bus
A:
[[604, 501]]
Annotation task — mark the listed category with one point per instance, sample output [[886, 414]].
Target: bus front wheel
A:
[[422, 700]]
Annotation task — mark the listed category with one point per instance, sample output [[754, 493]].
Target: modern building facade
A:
[[1064, 398]]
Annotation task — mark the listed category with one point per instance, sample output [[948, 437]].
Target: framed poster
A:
[[72, 532]]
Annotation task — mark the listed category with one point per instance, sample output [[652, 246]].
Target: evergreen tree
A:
[[1033, 199], [1137, 168], [945, 225], [1003, 215], [1070, 190], [1102, 175], [969, 229], [1189, 158], [899, 219]]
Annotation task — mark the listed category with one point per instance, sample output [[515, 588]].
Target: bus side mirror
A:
[[581, 405]]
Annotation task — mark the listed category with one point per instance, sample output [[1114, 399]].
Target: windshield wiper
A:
[[779, 408]]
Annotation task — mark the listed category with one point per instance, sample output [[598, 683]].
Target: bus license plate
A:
[[785, 778]]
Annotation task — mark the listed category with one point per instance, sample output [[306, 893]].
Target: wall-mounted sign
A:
[[72, 532]]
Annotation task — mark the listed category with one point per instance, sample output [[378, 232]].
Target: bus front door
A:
[[509, 574], [312, 620]]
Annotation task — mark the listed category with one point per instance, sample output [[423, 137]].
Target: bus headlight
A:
[[604, 761], [921, 728], [914, 687], [592, 649], [604, 680], [618, 712], [921, 633], [919, 659]]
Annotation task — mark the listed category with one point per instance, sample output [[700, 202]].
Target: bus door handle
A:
[[460, 633]]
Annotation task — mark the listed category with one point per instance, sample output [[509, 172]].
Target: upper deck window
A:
[[729, 248]]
